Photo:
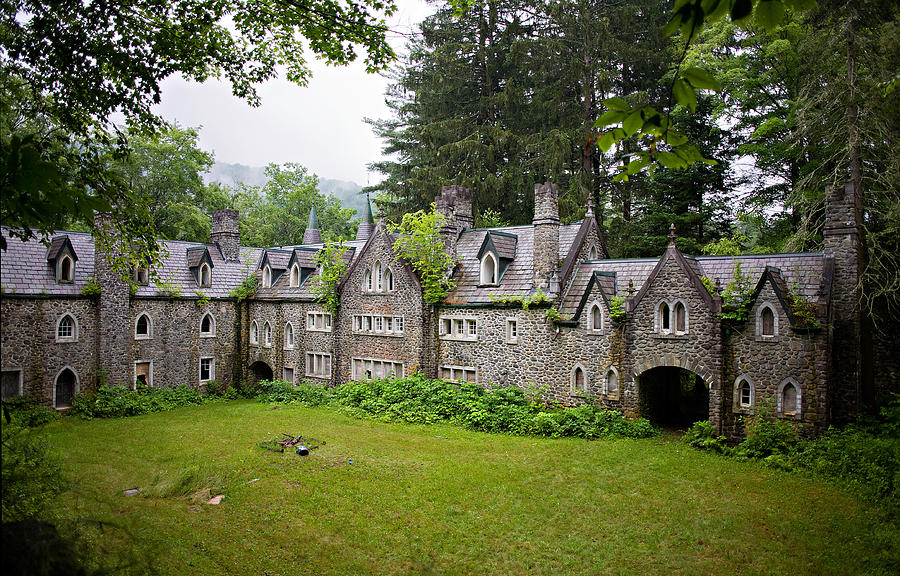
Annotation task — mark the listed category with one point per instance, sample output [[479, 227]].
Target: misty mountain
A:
[[232, 174]]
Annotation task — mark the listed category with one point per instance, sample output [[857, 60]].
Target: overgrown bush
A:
[[31, 474], [702, 435], [23, 412], [119, 401], [304, 393], [767, 436]]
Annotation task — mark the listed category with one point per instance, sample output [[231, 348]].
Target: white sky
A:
[[320, 126]]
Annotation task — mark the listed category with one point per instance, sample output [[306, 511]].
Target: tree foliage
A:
[[421, 244], [332, 267]]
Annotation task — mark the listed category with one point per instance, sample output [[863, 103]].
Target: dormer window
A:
[[65, 270], [490, 271], [267, 277], [295, 276], [205, 276], [141, 275]]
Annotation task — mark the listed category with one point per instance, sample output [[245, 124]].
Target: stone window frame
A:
[[367, 284], [310, 366], [389, 280], [75, 328], [593, 252], [267, 335], [382, 361], [267, 276], [458, 329], [485, 273], [254, 333], [511, 331], [204, 276], [378, 273], [670, 316], [760, 337], [56, 378], [141, 275], [289, 343], [453, 369], [367, 324], [211, 370], [596, 305], [779, 398], [21, 378], [311, 322], [611, 394], [738, 405], [284, 370], [149, 334], [573, 387], [61, 276], [134, 373], [211, 333], [295, 276]]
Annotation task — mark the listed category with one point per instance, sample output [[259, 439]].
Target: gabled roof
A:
[[225, 277], [585, 278], [61, 244], [773, 276], [304, 257], [197, 255], [587, 224], [24, 265], [691, 270]]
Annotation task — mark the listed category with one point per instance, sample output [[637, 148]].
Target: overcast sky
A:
[[320, 126]]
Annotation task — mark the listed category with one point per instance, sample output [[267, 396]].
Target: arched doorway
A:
[[259, 370], [64, 392], [673, 397]]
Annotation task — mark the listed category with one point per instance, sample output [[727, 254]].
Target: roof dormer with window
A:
[[497, 251], [200, 263], [62, 258]]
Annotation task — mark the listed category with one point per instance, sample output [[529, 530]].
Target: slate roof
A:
[[224, 276], [24, 268], [574, 293], [282, 287], [195, 255], [516, 280]]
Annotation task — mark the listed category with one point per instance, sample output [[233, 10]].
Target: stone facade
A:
[[672, 357]]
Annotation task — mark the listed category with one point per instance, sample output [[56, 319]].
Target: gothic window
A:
[[254, 332], [65, 271], [379, 278], [766, 322], [664, 320], [789, 398], [744, 394], [64, 388], [367, 281], [288, 336], [67, 329], [142, 275], [489, 270], [205, 276], [388, 280], [267, 277], [578, 383], [143, 328], [611, 382], [267, 334], [592, 255], [208, 325], [595, 318], [295, 276], [680, 318]]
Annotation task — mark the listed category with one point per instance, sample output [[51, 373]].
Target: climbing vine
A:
[[617, 309], [526, 301], [332, 267], [420, 243], [246, 289], [736, 300]]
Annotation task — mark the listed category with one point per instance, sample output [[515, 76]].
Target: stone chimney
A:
[[546, 236], [224, 234], [367, 224], [115, 322], [455, 204], [312, 235]]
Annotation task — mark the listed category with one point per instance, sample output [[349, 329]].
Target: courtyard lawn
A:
[[443, 500]]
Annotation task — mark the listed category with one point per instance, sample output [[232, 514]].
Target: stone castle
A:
[[644, 336]]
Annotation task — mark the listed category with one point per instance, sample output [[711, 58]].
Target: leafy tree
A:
[[421, 244], [332, 266], [67, 66]]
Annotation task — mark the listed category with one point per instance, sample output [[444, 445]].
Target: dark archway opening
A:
[[673, 397], [65, 388], [259, 370]]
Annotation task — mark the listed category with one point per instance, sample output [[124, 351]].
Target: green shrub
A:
[[28, 414], [304, 393], [703, 435], [119, 401], [31, 474], [766, 436]]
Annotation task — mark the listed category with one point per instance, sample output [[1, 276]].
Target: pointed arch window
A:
[[254, 333], [208, 325], [295, 276], [67, 329], [578, 382], [679, 312], [388, 280], [611, 382], [267, 334], [267, 277], [205, 276], [367, 281], [379, 277], [595, 317], [489, 270], [664, 318], [65, 272], [143, 328], [142, 275], [64, 389], [789, 399], [288, 336], [766, 322], [744, 394], [593, 254]]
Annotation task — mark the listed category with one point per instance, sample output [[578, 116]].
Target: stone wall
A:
[[29, 342]]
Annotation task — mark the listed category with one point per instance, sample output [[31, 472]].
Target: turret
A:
[[312, 235]]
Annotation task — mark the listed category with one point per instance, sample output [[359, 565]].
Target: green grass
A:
[[443, 500]]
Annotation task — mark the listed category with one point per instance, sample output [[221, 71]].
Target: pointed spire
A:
[[367, 224], [590, 210], [672, 235], [311, 235]]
